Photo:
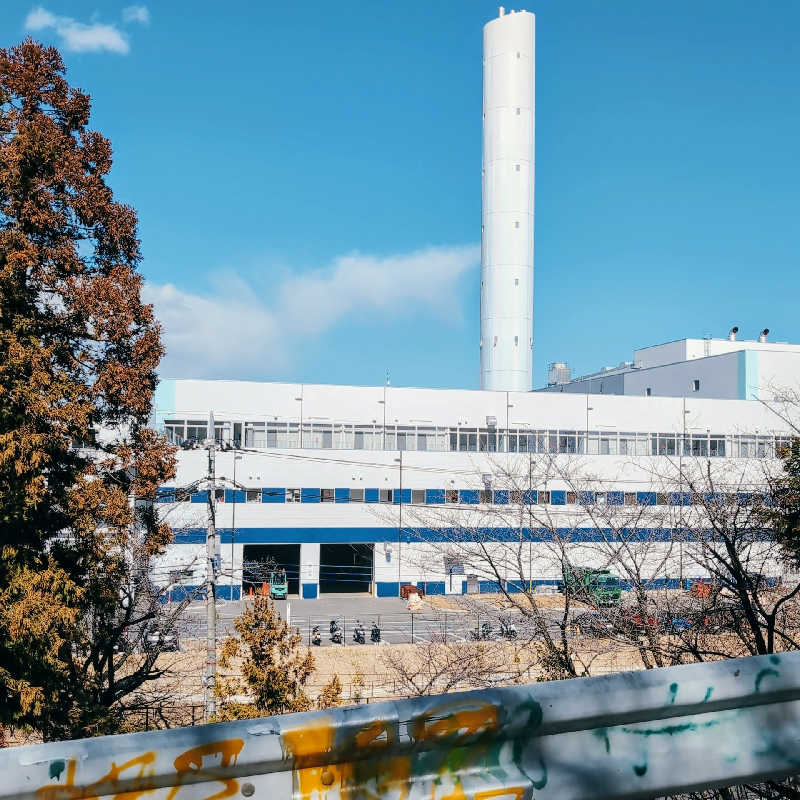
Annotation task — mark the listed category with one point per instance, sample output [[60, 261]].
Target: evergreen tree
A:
[[78, 354], [273, 665]]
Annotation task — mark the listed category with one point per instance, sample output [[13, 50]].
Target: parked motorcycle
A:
[[375, 634], [485, 632], [359, 637], [336, 632], [507, 629], [316, 637]]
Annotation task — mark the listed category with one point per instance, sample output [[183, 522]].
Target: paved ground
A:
[[397, 624]]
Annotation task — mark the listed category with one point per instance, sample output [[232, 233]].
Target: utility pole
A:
[[400, 524], [211, 577], [236, 457], [530, 522]]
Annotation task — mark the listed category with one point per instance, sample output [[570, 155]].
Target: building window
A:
[[485, 496], [196, 430], [328, 495], [451, 496], [292, 495], [543, 497], [174, 429], [648, 392], [219, 494], [516, 223], [253, 496], [385, 496], [516, 341], [516, 281], [517, 114], [516, 167], [696, 385], [418, 497]]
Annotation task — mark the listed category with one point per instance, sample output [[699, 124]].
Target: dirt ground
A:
[[364, 673], [548, 602]]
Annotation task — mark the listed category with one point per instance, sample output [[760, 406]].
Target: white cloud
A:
[[77, 36], [139, 14], [238, 331]]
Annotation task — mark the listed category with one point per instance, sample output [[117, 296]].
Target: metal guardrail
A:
[[629, 735]]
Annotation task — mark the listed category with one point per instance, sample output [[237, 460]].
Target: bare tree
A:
[[436, 667]]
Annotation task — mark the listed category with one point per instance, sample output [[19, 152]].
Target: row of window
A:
[[501, 497], [345, 436]]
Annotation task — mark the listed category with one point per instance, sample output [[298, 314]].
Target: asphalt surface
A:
[[397, 624]]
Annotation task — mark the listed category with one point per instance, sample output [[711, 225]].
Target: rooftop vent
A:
[[732, 335], [763, 336], [558, 374]]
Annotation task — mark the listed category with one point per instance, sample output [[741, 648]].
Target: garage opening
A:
[[259, 559], [345, 567]]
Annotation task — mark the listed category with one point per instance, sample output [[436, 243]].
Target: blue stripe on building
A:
[[329, 535]]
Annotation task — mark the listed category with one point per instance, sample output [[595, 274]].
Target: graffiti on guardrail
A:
[[508, 743], [378, 771], [187, 764]]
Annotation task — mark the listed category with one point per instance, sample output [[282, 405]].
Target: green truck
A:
[[278, 586], [598, 587]]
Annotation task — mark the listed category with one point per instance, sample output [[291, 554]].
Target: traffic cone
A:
[[251, 591]]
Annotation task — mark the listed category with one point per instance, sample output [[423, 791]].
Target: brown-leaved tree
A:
[[78, 354]]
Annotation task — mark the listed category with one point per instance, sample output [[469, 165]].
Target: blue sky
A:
[[307, 176]]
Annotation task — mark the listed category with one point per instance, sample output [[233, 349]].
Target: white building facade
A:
[[347, 487], [727, 369]]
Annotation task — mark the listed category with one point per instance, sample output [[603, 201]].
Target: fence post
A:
[[412, 627], [445, 627]]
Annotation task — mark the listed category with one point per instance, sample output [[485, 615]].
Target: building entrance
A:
[[345, 567], [260, 559]]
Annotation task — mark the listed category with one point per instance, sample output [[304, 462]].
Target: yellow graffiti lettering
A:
[[93, 791], [515, 792], [65, 792], [190, 763], [459, 723]]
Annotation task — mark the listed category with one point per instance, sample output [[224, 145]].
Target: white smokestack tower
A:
[[509, 116]]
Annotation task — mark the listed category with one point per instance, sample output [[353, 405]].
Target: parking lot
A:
[[397, 624]]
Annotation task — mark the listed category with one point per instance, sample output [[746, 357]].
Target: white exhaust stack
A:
[[509, 116], [763, 336], [732, 334]]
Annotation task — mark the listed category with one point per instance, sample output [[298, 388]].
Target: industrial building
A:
[[349, 488], [730, 369], [317, 477]]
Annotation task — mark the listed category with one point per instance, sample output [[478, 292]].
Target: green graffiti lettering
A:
[[57, 768], [763, 674], [671, 730], [602, 733], [673, 692]]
